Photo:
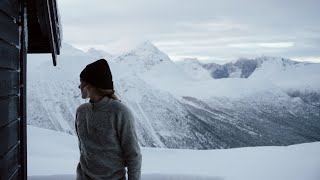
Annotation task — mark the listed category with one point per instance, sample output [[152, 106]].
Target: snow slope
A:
[[53, 155]]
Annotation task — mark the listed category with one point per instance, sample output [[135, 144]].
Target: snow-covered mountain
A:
[[262, 101], [144, 57], [243, 68]]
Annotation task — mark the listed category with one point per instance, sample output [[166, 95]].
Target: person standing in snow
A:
[[105, 127]]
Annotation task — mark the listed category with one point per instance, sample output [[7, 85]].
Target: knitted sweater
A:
[[107, 140]]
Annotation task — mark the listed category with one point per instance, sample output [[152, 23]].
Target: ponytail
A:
[[107, 92]]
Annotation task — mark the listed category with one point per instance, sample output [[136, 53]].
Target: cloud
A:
[[207, 28], [307, 58], [263, 45]]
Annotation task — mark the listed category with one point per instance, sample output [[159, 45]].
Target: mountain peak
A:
[[145, 55], [146, 46], [98, 54]]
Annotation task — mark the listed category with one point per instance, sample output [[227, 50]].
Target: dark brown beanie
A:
[[98, 74]]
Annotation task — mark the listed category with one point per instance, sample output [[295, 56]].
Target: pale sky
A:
[[205, 29]]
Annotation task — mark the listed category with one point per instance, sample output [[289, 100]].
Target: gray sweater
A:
[[107, 140]]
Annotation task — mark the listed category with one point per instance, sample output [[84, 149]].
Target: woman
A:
[[105, 127]]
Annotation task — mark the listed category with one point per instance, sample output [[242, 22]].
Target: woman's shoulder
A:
[[83, 107], [120, 107]]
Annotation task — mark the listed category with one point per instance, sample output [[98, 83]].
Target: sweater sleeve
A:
[[76, 127], [129, 143]]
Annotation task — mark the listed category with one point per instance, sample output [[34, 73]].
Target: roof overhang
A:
[[44, 31]]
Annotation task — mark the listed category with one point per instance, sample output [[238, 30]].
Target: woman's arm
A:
[[129, 143]]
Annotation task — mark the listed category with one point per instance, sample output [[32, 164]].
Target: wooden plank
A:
[[23, 99], [9, 164], [16, 175], [9, 56], [9, 136], [9, 82], [11, 8], [9, 29], [9, 110]]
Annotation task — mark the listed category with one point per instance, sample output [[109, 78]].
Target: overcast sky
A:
[[206, 29]]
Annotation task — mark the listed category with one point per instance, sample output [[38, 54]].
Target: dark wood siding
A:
[[44, 37], [11, 92], [9, 32], [9, 164], [9, 82], [9, 109], [9, 137], [11, 8], [8, 55]]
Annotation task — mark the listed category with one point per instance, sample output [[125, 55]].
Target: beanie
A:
[[98, 74]]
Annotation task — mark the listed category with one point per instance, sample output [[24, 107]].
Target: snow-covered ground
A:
[[54, 155]]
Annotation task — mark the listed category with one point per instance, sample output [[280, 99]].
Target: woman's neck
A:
[[95, 98]]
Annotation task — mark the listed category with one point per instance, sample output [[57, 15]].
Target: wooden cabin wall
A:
[[12, 91]]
